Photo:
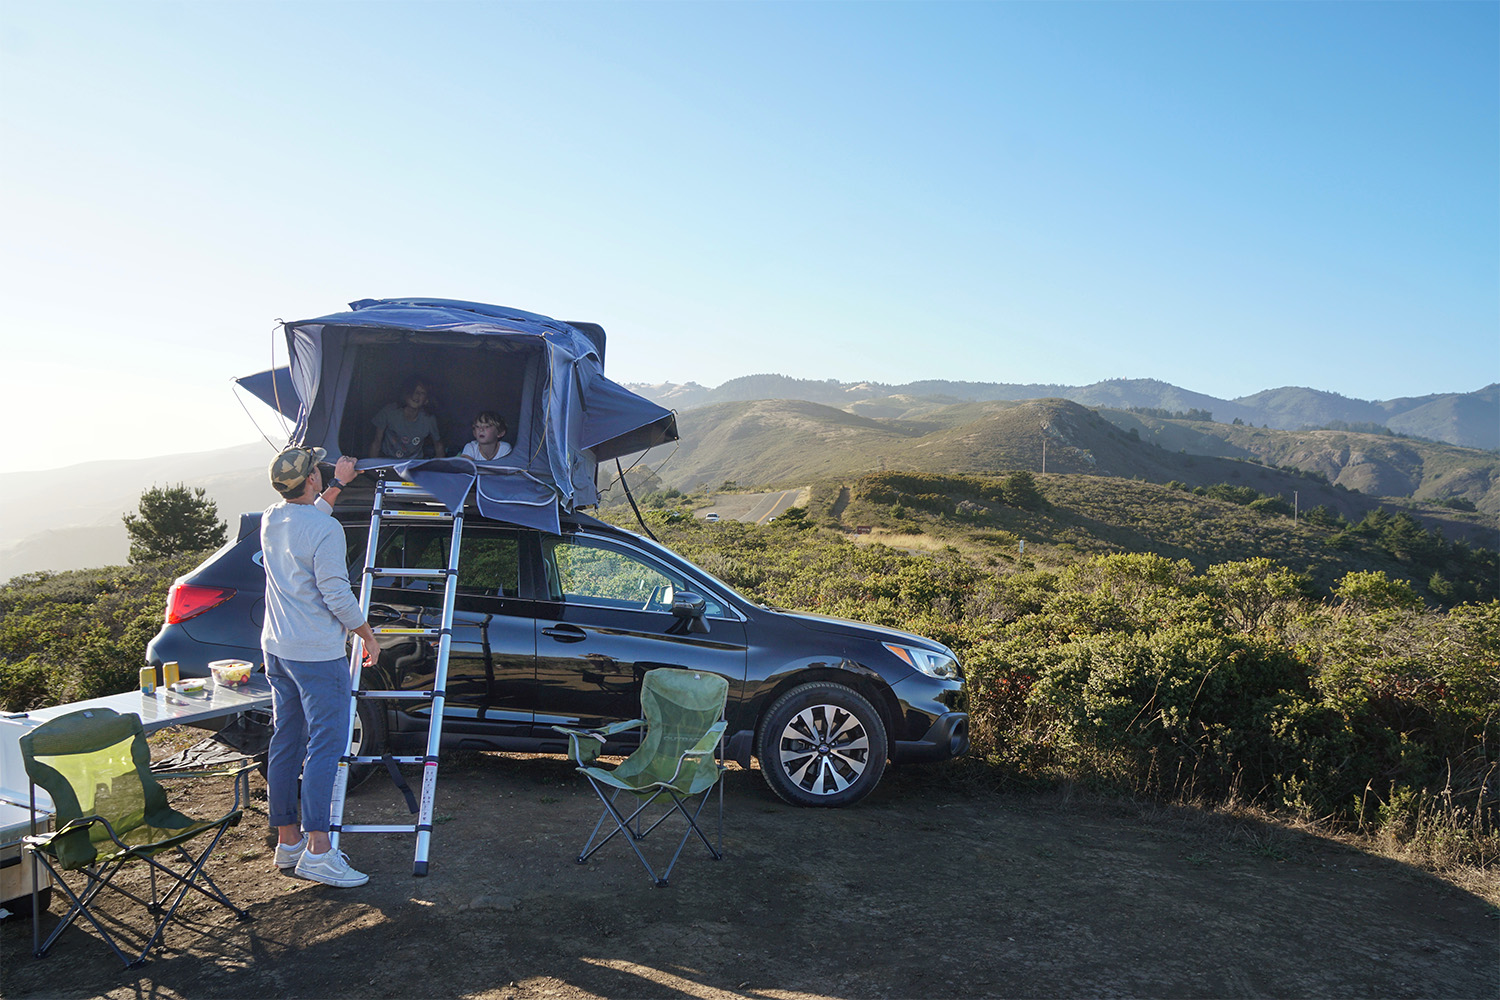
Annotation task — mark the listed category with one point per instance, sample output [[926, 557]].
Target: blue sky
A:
[[1229, 197]]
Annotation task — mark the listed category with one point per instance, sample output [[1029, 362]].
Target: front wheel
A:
[[822, 744]]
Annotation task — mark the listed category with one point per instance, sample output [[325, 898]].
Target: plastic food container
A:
[[190, 685], [231, 673]]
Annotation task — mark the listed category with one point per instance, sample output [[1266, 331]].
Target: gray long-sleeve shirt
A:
[[309, 606]]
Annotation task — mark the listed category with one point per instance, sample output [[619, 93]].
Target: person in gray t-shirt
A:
[[401, 428], [309, 614]]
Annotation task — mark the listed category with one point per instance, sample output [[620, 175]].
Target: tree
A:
[[173, 520], [1019, 489]]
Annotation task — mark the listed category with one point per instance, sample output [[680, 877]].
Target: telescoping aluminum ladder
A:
[[415, 505]]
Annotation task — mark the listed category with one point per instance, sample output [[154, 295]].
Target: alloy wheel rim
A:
[[824, 749]]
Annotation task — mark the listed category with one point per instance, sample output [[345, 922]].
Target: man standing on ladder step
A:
[[310, 611]]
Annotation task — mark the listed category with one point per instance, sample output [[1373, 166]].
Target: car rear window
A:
[[489, 561]]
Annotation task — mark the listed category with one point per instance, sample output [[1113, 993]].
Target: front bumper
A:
[[948, 738]]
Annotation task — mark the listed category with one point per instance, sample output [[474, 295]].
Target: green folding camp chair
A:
[[110, 812], [678, 757]]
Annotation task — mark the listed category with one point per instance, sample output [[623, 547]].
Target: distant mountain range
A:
[[762, 431], [1469, 419]]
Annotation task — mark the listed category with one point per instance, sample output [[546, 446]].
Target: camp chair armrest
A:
[[704, 746], [709, 741], [223, 772], [239, 772], [584, 745], [41, 840]]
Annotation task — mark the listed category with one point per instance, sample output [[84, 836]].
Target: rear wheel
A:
[[369, 738], [822, 744]]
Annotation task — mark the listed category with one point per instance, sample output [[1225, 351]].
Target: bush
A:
[[80, 634]]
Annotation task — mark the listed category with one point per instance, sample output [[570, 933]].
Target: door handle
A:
[[565, 633], [380, 614]]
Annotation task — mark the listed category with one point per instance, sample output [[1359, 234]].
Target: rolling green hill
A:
[[1375, 464], [788, 443], [1087, 515]]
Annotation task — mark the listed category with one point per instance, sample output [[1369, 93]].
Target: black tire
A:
[[822, 744], [370, 737]]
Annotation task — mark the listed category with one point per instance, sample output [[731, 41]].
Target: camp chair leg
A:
[[692, 821], [185, 881], [631, 824], [162, 906], [196, 874], [623, 822], [78, 904]]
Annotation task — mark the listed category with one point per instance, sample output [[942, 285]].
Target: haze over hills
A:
[[70, 518], [787, 442], [1470, 419]]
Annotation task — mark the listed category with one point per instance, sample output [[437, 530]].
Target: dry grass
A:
[[1213, 831]]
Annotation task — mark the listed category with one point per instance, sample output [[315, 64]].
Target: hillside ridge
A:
[[1467, 419]]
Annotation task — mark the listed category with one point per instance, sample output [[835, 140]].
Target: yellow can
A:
[[148, 680], [169, 673]]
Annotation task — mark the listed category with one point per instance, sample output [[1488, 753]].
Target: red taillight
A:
[[189, 600]]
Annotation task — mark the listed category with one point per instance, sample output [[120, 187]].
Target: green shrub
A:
[[80, 634]]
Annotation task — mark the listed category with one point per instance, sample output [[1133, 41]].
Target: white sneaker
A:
[[331, 868], [287, 855]]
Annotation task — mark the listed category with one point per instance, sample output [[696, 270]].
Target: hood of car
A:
[[845, 627]]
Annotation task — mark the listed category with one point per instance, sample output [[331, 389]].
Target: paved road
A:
[[754, 508]]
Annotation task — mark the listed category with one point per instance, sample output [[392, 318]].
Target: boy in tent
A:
[[489, 434], [401, 428]]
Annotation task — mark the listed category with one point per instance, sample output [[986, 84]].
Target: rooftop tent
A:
[[545, 377]]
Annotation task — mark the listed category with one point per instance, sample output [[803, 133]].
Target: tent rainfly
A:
[[545, 377]]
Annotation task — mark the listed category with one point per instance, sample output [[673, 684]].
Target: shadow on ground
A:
[[927, 889]]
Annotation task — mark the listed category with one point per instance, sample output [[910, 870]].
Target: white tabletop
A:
[[157, 711], [166, 708]]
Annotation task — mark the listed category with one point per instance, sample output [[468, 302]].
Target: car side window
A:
[[489, 562], [586, 571]]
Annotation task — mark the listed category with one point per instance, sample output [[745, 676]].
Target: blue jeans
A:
[[310, 707]]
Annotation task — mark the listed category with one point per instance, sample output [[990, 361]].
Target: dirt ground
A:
[[927, 889]]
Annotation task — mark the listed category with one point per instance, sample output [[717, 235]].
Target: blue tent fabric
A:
[[567, 415], [516, 497], [274, 388], [448, 479]]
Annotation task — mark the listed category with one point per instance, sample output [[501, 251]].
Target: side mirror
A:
[[688, 608]]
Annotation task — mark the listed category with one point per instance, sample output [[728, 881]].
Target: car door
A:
[[492, 654], [606, 619]]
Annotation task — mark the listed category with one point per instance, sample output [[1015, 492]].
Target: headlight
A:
[[939, 665]]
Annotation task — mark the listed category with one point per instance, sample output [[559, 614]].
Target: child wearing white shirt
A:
[[489, 429]]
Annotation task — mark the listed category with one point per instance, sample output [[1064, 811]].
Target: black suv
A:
[[559, 629]]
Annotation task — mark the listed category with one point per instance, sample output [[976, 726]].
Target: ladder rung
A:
[[418, 505]]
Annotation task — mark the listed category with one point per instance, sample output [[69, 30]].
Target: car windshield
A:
[[661, 550], [590, 570]]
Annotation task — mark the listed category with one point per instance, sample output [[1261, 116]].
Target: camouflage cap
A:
[[290, 469]]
